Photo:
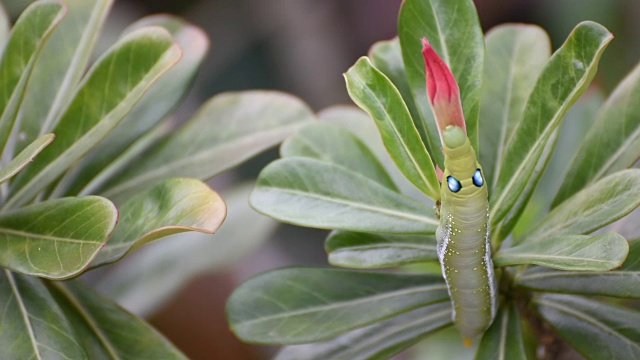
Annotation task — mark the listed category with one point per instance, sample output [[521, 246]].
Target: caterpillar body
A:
[[463, 236], [463, 245]]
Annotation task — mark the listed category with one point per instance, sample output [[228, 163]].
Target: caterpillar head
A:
[[462, 175]]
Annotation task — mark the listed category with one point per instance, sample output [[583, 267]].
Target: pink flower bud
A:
[[442, 90]]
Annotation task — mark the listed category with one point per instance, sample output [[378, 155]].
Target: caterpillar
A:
[[463, 246]]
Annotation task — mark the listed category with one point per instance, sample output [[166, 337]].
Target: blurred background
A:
[[301, 47]]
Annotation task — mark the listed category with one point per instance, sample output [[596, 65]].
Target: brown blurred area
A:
[[303, 47]]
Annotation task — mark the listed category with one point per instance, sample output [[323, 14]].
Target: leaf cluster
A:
[[92, 168], [552, 243]]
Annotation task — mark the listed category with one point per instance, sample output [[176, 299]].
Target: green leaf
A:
[[597, 330], [386, 56], [621, 283], [503, 340], [167, 208], [149, 277], [300, 305], [313, 193], [504, 228], [25, 157], [571, 132], [568, 252], [55, 239], [453, 29], [565, 77], [108, 331], [29, 34], [60, 66], [612, 141], [227, 130], [380, 341], [372, 91], [593, 207], [161, 98], [33, 325], [110, 90], [338, 146], [515, 55], [369, 251], [360, 124]]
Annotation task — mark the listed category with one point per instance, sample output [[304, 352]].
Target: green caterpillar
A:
[[463, 235]]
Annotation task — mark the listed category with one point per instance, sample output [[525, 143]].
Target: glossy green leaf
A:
[[360, 124], [619, 283], [313, 193], [453, 29], [57, 238], [565, 77], [571, 132], [372, 91], [593, 207], [503, 340], [595, 329], [612, 142], [25, 157], [69, 183], [145, 54], [227, 130], [161, 98], [386, 56], [28, 36], [380, 341], [361, 250], [147, 278], [502, 229], [300, 305], [568, 252], [515, 55], [60, 66], [336, 145], [108, 331], [33, 325], [167, 208], [622, 282]]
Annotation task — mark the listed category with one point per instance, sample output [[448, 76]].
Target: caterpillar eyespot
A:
[[453, 184], [477, 178]]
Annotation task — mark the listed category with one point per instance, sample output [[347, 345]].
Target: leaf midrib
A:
[[535, 256], [561, 274], [24, 313], [46, 237], [86, 316], [194, 158], [426, 321], [589, 319], [342, 304], [383, 246], [366, 207]]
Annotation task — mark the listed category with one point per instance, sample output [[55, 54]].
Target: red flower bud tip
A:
[[442, 90]]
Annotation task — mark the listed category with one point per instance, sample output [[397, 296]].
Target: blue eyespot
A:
[[477, 178], [453, 184]]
